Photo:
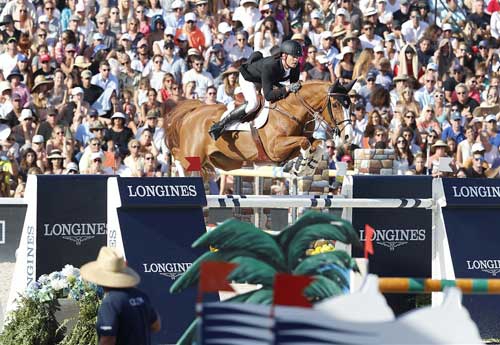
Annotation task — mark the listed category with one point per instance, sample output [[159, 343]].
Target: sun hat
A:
[[109, 270], [55, 154], [15, 73], [370, 11], [440, 143], [25, 114], [298, 36], [338, 31], [345, 50], [229, 71], [118, 115], [80, 62], [42, 80]]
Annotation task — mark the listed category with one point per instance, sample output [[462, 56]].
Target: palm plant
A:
[[260, 256]]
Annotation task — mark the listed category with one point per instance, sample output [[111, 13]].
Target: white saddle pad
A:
[[259, 121]]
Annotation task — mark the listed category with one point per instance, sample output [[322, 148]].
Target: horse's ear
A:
[[349, 86]]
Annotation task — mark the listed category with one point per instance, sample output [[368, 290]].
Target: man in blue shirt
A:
[[455, 131], [126, 315], [492, 130]]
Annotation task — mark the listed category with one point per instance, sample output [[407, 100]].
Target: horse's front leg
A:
[[309, 157]]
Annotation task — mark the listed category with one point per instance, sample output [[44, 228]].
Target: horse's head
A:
[[338, 111]]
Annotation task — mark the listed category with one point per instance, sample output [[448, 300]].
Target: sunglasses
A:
[[379, 134], [430, 81], [49, 8], [148, 158], [330, 147], [410, 117], [134, 146], [479, 159], [97, 160], [190, 22], [401, 142], [211, 93]]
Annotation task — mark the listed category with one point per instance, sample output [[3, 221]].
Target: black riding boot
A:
[[218, 128]]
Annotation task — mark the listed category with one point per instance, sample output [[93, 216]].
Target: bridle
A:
[[316, 115]]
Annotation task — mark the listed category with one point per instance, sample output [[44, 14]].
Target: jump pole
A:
[[425, 285]]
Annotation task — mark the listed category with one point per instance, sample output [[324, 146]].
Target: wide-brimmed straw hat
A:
[[42, 80], [109, 270], [80, 62], [440, 143], [229, 71]]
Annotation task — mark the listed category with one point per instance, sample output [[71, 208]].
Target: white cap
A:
[[80, 7], [378, 48], [95, 155], [447, 26], [182, 37], [478, 147], [72, 166], [265, 7], [25, 114], [177, 4], [238, 90], [76, 90], [490, 117], [345, 50], [4, 132], [169, 31], [370, 11], [322, 59], [38, 139], [248, 2], [316, 14], [125, 36], [4, 86], [118, 115], [325, 35], [342, 12], [190, 16], [381, 1], [224, 28], [97, 36], [43, 19]]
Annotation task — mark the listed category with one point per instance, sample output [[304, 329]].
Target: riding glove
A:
[[294, 87]]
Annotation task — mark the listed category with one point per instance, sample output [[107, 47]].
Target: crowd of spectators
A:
[[85, 85]]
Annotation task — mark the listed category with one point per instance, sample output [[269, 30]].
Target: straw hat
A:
[[80, 62], [229, 71], [109, 270], [42, 80], [55, 154], [440, 143]]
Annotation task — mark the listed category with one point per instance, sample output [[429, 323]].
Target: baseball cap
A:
[[86, 74], [97, 36], [182, 37], [477, 147], [93, 112], [325, 34], [490, 117], [15, 95], [371, 74], [96, 155], [483, 43], [447, 27], [456, 116], [45, 58], [224, 28], [378, 49], [25, 114], [70, 47], [38, 139], [125, 36], [432, 66], [168, 31], [76, 90], [22, 57], [99, 47], [43, 19], [177, 4], [315, 14], [359, 105], [72, 167], [370, 11], [190, 16], [75, 18]]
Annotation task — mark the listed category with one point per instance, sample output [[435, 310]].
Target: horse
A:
[[286, 134]]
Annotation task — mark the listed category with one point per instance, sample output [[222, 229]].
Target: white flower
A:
[[69, 271], [44, 279], [59, 284]]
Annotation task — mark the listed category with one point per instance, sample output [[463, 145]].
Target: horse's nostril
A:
[[346, 137]]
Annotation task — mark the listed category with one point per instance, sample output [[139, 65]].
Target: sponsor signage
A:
[[402, 239], [157, 242], [471, 220], [70, 221], [472, 192], [151, 192]]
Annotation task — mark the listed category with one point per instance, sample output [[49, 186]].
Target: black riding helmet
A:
[[292, 48]]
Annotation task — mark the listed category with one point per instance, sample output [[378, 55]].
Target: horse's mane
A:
[[174, 120]]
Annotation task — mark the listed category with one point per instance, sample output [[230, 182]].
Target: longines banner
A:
[[402, 240], [159, 219], [471, 217], [70, 220]]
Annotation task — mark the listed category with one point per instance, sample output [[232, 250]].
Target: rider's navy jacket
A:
[[269, 72]]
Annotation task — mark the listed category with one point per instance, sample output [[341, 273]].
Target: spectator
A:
[[134, 161], [241, 50], [105, 79], [55, 163], [478, 166], [118, 132], [225, 91], [403, 161], [464, 149], [196, 74]]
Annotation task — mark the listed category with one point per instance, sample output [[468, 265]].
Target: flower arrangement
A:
[[34, 321]]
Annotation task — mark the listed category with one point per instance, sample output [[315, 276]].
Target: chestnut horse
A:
[[287, 132]]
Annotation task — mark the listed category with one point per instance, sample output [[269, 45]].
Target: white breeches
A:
[[250, 93]]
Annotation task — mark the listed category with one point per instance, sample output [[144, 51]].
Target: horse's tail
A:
[[174, 121]]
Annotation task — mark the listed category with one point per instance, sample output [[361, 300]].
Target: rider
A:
[[267, 73]]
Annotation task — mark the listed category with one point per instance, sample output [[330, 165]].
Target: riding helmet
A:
[[291, 47]]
